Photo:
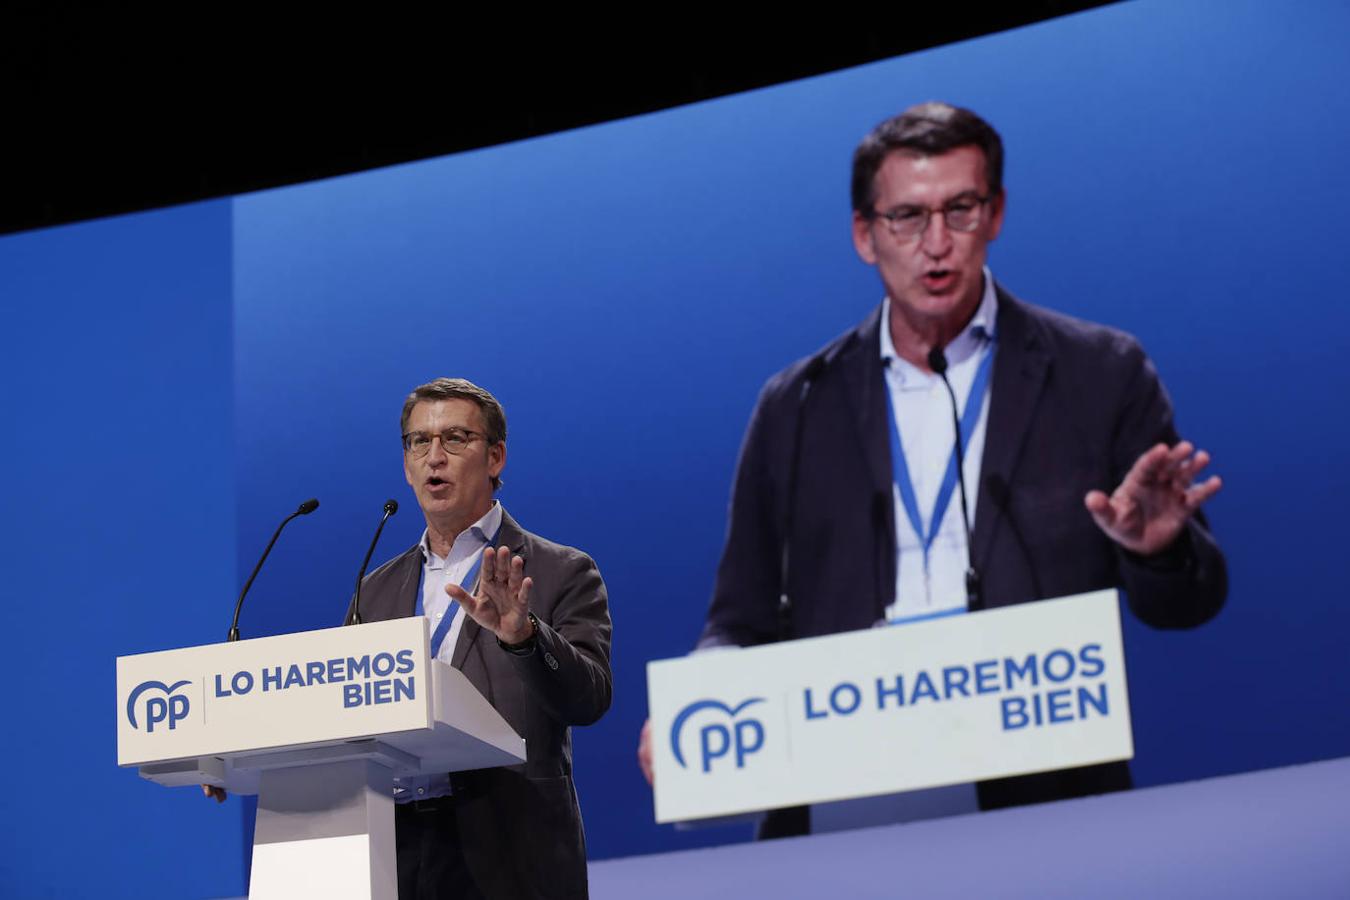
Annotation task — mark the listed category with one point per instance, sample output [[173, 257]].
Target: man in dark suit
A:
[[527, 621], [1056, 412]]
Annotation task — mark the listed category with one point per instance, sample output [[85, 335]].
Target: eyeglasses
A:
[[961, 214], [453, 441]]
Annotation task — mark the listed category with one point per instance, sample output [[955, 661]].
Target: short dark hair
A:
[[929, 129], [494, 417]]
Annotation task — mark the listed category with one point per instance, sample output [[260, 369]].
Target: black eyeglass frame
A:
[[448, 437]]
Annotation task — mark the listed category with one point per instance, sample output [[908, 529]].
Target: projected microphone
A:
[[305, 509], [814, 368], [937, 361], [390, 507]]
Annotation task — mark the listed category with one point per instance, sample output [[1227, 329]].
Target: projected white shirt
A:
[[923, 411]]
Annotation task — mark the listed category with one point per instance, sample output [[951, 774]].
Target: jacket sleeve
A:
[[743, 610], [1187, 584], [568, 671]]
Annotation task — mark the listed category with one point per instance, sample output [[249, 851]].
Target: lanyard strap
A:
[[442, 629], [974, 402]]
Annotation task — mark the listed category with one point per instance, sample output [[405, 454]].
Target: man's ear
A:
[[496, 458], [997, 203], [862, 239]]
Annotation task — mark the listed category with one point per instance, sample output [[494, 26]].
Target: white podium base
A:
[[325, 831]]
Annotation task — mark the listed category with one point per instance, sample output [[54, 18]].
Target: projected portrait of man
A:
[[1074, 474]]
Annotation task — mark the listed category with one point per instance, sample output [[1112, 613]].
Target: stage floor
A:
[[1276, 833]]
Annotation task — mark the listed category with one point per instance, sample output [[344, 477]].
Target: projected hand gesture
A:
[[1147, 512]]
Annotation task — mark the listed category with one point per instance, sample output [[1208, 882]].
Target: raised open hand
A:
[[502, 603], [1159, 493]]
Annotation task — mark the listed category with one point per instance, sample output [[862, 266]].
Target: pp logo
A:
[[715, 739], [171, 708]]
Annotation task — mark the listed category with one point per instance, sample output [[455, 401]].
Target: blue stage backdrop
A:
[[1173, 169], [120, 539]]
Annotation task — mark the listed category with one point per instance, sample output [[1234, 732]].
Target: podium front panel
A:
[[1007, 691], [283, 691]]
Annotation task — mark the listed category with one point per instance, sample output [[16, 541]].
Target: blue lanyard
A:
[[974, 402], [438, 637]]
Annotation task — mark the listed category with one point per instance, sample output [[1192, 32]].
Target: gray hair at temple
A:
[[494, 417], [929, 129]]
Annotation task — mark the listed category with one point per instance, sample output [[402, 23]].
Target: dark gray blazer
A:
[[1073, 406], [521, 825]]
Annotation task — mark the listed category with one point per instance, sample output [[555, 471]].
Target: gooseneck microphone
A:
[[813, 370], [305, 509], [937, 361], [390, 507]]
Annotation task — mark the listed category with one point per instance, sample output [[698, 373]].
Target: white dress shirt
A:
[[924, 413], [437, 572]]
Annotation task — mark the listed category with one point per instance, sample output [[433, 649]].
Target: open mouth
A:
[[938, 278], [435, 481]]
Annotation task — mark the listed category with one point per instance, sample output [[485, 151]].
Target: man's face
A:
[[454, 491], [934, 277]]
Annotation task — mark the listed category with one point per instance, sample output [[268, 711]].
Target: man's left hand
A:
[[1147, 512], [502, 604]]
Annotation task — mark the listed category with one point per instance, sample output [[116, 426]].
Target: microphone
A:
[[937, 361], [305, 509], [813, 371], [390, 507]]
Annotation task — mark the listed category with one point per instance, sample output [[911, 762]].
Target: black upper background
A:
[[108, 111]]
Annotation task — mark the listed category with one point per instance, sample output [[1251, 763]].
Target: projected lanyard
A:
[[974, 401], [438, 636]]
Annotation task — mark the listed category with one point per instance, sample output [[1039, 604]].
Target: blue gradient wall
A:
[[120, 539]]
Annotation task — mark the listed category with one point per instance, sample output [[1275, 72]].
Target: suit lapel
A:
[[859, 363], [410, 581], [1020, 372], [396, 598], [511, 536]]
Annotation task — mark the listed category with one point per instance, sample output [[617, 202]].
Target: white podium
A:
[[1007, 691], [318, 725]]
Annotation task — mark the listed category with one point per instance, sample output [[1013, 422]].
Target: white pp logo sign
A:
[[1008, 691]]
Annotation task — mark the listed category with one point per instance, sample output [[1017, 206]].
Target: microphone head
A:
[[307, 507], [391, 506], [937, 360]]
